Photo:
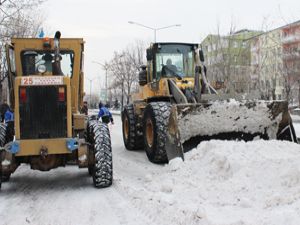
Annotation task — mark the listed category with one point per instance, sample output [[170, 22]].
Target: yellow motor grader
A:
[[176, 107], [45, 79]]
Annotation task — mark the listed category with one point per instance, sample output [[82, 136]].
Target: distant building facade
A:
[[266, 63], [228, 60], [275, 62], [291, 58]]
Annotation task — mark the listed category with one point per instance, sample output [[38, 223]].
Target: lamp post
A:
[[91, 80], [153, 28], [105, 67], [122, 95]]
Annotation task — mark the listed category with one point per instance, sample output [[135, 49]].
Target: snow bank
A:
[[295, 118], [96, 111], [228, 183], [297, 129], [232, 116]]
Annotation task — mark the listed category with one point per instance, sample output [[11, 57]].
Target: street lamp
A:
[[91, 80], [154, 29], [105, 66]]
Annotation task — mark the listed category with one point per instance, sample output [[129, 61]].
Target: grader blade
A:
[[228, 120]]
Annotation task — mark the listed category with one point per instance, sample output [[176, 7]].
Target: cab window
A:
[[42, 62], [175, 61]]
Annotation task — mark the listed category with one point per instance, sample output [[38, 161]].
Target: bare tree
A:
[[17, 19], [124, 68], [228, 58]]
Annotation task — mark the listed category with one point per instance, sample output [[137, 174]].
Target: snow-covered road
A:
[[67, 196], [220, 183]]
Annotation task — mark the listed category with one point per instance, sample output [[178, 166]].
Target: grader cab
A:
[[45, 79]]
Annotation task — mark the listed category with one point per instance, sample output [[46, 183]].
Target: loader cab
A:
[[171, 60]]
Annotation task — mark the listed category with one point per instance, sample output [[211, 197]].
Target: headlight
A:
[[41, 68]]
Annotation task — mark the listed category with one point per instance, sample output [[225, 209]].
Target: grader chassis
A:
[[46, 91]]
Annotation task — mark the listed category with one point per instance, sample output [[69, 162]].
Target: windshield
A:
[[42, 62], [175, 61]]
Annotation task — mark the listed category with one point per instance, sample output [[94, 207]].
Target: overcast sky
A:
[[105, 28]]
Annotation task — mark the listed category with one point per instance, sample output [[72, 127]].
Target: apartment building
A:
[[275, 62], [291, 59], [266, 62], [228, 60]]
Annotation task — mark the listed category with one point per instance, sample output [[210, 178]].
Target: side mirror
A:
[[201, 55], [143, 75], [149, 55], [143, 67]]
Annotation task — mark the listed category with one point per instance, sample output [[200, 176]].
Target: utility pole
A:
[[91, 80], [105, 66]]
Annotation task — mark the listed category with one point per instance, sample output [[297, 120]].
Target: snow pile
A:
[[229, 116], [295, 118], [296, 123], [297, 129], [96, 111], [227, 183]]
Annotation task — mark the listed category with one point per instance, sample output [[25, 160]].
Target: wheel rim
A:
[[126, 128], [149, 132]]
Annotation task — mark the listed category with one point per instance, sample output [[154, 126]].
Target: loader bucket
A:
[[189, 124]]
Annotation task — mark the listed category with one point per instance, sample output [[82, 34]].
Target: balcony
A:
[[291, 39], [291, 56]]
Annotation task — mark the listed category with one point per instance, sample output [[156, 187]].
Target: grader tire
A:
[[90, 170], [0, 176], [102, 171], [155, 121], [131, 137], [3, 134], [5, 137]]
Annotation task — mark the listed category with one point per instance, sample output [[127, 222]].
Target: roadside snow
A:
[[295, 118], [228, 183], [297, 129], [96, 111], [219, 183], [296, 123]]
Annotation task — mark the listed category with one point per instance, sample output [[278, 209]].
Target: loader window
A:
[[175, 61], [41, 62]]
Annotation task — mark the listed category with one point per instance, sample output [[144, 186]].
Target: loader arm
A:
[[177, 94], [221, 117]]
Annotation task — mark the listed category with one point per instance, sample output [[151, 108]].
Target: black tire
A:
[[0, 175], [3, 134], [132, 136], [6, 135], [90, 170], [2, 143], [89, 138], [155, 121], [102, 170], [5, 178]]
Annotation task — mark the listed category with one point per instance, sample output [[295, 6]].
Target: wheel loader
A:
[[45, 79], [177, 108]]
